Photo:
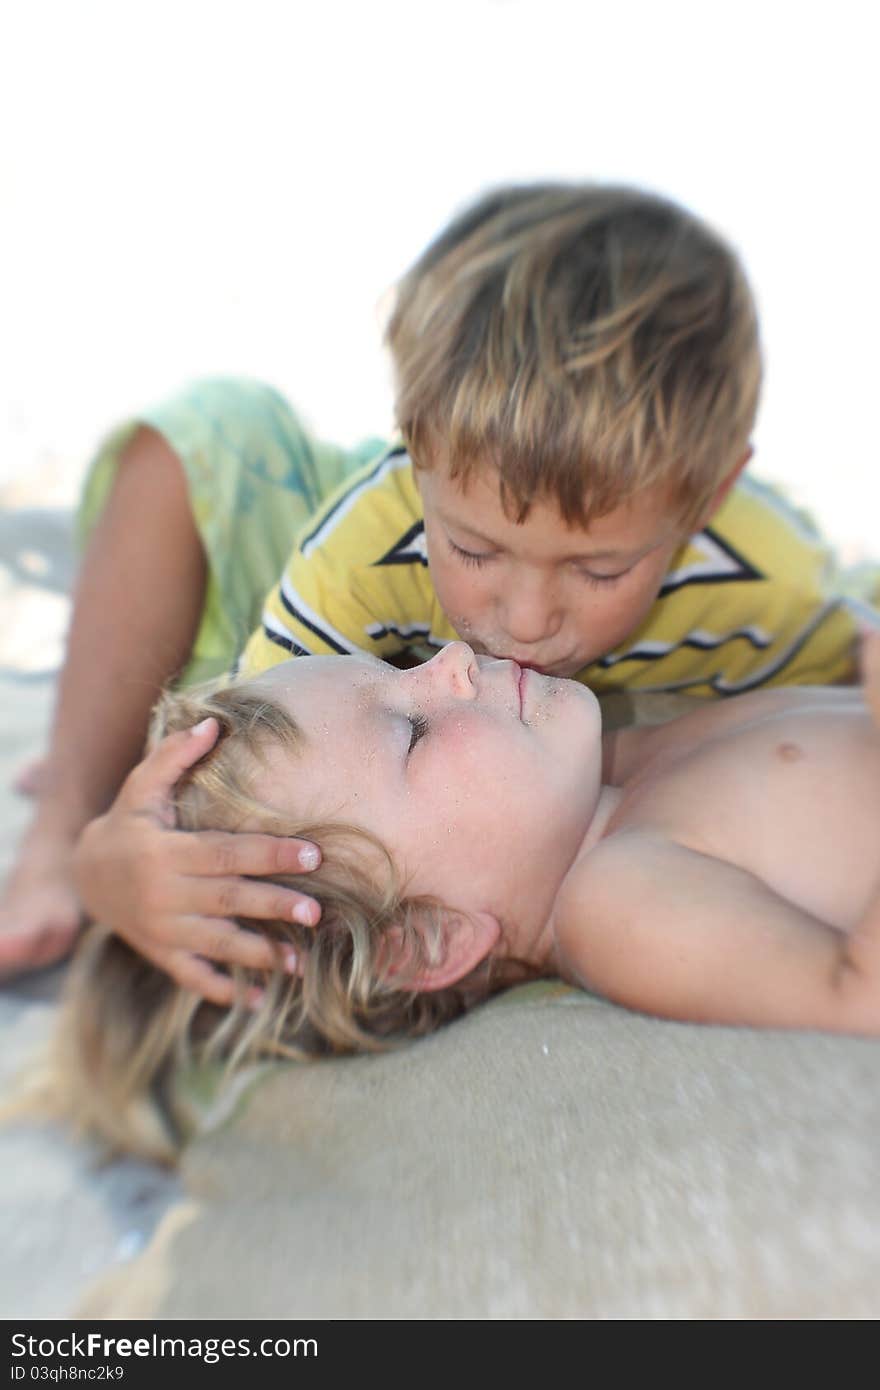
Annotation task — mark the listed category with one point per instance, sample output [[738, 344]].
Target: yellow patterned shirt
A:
[[751, 600]]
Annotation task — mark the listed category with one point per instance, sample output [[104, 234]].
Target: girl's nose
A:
[[455, 668]]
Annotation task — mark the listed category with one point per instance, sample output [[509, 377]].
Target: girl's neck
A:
[[542, 951], [609, 800]]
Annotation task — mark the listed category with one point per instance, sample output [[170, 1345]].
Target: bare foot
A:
[[30, 779], [40, 913]]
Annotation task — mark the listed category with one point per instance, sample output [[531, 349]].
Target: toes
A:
[[34, 945], [30, 779]]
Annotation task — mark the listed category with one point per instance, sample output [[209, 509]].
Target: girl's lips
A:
[[521, 686]]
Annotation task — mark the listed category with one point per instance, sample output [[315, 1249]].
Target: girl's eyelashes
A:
[[419, 726]]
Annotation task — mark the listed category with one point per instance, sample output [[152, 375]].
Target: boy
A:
[[577, 378]]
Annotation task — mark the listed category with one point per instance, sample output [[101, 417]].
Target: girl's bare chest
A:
[[794, 799]]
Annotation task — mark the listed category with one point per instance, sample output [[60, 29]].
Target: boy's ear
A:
[[467, 939], [720, 495]]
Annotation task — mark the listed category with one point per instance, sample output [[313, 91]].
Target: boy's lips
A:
[[554, 668], [527, 665], [530, 666], [482, 650]]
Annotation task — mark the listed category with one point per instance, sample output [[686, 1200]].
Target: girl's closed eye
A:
[[419, 726]]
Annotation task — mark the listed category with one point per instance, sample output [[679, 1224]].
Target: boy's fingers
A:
[[199, 977], [226, 942], [154, 778], [215, 852], [245, 897]]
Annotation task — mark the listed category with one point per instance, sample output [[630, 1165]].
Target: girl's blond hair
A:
[[587, 342], [126, 1029]]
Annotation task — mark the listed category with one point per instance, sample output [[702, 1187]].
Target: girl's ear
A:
[[467, 939]]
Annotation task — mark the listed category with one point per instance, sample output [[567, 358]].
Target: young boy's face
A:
[[543, 593], [480, 779]]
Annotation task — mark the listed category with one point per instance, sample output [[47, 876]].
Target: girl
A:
[[476, 830]]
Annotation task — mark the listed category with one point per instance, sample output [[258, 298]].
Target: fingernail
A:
[[309, 858], [304, 913], [200, 728], [291, 960], [256, 998]]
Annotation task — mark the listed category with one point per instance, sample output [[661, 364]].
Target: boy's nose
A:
[[528, 612]]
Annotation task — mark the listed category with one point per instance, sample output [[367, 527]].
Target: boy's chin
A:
[[565, 670]]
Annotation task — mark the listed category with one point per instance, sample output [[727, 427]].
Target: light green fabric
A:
[[255, 476]]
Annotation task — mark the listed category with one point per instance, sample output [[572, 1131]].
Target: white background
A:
[[192, 188]]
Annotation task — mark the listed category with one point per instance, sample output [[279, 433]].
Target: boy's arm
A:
[[172, 895], [669, 931]]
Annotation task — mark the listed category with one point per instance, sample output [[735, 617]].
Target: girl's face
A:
[[480, 778]]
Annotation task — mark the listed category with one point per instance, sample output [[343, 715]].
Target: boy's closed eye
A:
[[597, 581], [480, 558], [470, 557]]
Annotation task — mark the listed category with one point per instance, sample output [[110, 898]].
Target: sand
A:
[[64, 1218]]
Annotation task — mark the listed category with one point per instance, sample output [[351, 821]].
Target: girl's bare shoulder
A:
[[628, 751]]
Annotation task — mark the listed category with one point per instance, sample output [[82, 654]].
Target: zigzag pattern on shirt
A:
[[376, 631], [698, 640], [779, 663], [755, 678], [722, 564], [411, 549], [397, 458]]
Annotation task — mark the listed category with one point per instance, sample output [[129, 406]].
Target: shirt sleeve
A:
[[755, 599], [357, 578], [810, 609]]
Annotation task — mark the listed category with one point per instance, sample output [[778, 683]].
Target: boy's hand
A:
[[171, 893]]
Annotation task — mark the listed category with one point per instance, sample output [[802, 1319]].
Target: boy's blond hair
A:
[[126, 1028], [586, 341]]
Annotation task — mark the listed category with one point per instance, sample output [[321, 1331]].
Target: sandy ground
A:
[[64, 1218]]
